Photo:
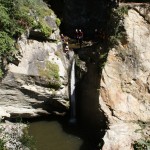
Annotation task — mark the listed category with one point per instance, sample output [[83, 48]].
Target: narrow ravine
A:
[[84, 126], [79, 130], [75, 75], [88, 109]]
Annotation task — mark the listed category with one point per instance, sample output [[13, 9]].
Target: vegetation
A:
[[27, 140], [6, 44], [142, 144], [58, 22], [51, 72], [117, 31], [16, 17], [1, 73], [45, 29], [102, 59], [2, 147]]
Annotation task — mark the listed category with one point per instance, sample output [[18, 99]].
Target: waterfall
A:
[[72, 93]]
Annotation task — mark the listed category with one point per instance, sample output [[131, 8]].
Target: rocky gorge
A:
[[36, 84]]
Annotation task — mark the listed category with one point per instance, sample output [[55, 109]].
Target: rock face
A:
[[11, 135], [124, 91], [38, 83]]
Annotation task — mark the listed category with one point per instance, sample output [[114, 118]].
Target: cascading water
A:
[[72, 93]]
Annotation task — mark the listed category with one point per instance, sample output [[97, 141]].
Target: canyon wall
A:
[[124, 85], [36, 82]]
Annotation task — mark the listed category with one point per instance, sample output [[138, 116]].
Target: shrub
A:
[[5, 19], [45, 29], [27, 140], [16, 17], [117, 32], [1, 73], [142, 145], [2, 143], [58, 22], [51, 72], [6, 44]]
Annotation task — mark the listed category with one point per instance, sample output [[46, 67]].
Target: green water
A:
[[60, 135]]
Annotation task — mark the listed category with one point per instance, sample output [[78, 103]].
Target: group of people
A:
[[78, 37], [97, 35]]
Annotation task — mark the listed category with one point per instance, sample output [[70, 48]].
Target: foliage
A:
[[2, 143], [27, 140], [121, 11], [58, 22], [117, 32], [51, 72], [142, 145], [16, 17], [103, 57], [6, 44], [34, 14], [19, 15], [1, 73], [5, 19], [45, 29]]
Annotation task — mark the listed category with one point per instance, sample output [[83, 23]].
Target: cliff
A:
[[36, 81], [124, 86]]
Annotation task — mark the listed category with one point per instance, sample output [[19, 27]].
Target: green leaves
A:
[[141, 145], [117, 32], [58, 22], [51, 72], [45, 29], [6, 44], [27, 140], [5, 19], [16, 16], [2, 143]]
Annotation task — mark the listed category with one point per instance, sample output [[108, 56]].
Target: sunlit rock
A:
[[124, 91]]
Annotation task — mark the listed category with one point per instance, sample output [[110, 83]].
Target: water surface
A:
[[52, 134]]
